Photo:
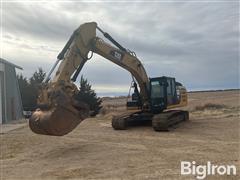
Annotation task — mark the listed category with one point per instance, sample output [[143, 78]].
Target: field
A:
[[95, 151]]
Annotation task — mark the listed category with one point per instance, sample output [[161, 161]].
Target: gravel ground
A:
[[95, 151]]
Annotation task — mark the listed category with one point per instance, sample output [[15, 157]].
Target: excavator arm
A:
[[85, 40], [59, 112]]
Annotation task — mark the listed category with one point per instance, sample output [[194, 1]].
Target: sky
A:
[[195, 42]]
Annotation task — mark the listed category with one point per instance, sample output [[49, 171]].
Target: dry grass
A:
[[210, 106], [109, 108]]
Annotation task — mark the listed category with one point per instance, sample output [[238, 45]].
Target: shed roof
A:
[[11, 64]]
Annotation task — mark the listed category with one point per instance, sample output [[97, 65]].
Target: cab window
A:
[[156, 90]]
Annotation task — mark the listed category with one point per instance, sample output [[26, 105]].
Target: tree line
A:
[[29, 92]]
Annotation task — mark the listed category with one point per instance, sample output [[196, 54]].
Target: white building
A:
[[10, 97]]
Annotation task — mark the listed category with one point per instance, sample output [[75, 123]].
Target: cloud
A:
[[196, 42]]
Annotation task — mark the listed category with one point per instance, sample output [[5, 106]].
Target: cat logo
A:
[[116, 54]]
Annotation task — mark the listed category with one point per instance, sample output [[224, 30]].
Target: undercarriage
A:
[[160, 122]]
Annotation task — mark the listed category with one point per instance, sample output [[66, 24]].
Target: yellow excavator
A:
[[59, 112]]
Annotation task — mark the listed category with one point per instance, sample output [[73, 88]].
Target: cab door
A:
[[158, 94]]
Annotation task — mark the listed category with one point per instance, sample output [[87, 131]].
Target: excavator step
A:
[[165, 120]]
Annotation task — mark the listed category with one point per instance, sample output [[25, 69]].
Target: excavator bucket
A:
[[57, 121]]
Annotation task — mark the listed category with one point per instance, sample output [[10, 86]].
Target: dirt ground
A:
[[95, 151]]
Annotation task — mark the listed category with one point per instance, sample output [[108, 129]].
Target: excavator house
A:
[[155, 99]]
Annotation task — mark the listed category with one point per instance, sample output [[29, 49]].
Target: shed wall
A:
[[2, 97], [13, 96], [1, 101]]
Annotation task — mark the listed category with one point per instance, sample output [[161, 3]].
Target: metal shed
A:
[[10, 97]]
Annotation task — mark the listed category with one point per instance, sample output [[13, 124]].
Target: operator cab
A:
[[163, 93]]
